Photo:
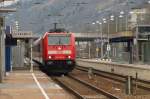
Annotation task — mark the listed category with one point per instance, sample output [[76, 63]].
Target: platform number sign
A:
[[108, 47]]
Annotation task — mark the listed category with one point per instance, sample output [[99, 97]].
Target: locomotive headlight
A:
[[50, 57], [69, 57], [67, 52]]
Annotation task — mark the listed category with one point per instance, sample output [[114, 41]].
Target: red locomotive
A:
[[58, 52]]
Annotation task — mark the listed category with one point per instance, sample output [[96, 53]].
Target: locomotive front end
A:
[[60, 54]]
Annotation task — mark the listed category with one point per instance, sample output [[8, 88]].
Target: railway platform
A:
[[134, 70], [30, 85]]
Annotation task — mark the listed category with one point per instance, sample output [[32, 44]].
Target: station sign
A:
[[108, 47], [22, 34]]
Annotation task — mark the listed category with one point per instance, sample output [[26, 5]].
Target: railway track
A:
[[82, 89], [137, 83]]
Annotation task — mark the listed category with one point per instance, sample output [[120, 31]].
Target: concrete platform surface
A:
[[143, 71], [27, 85]]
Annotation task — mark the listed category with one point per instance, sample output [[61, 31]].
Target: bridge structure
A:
[[83, 36]]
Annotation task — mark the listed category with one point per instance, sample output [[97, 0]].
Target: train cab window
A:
[[58, 40]]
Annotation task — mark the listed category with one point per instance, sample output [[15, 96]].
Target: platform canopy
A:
[[6, 10], [6, 0]]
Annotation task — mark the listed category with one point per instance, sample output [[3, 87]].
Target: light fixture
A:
[[121, 12], [131, 12], [69, 57], [97, 21], [112, 16], [104, 19], [50, 57], [93, 23], [120, 16], [112, 19], [100, 23]]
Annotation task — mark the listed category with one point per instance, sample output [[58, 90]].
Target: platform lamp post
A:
[[31, 56], [117, 20], [96, 41], [128, 12], [116, 23], [89, 43], [108, 35], [121, 22], [108, 42], [101, 37], [103, 22], [17, 25], [111, 18], [125, 15], [126, 24]]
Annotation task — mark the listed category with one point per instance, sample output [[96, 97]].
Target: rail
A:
[[79, 94], [143, 84]]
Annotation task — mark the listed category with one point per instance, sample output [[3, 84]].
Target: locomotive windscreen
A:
[[58, 39]]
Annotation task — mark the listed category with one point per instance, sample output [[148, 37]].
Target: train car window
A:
[[58, 30], [58, 40]]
